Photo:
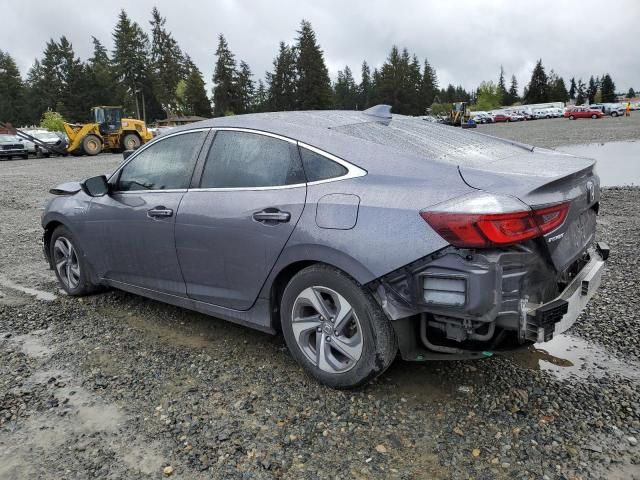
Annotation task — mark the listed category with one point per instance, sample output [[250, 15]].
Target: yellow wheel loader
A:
[[460, 116], [108, 132]]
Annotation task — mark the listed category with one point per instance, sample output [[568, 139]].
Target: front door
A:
[[231, 230], [131, 231]]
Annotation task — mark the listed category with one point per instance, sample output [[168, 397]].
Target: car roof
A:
[[370, 140]]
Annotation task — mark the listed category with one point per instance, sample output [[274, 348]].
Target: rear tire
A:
[[614, 114], [571, 117], [131, 141], [355, 344], [91, 145], [594, 116], [72, 270]]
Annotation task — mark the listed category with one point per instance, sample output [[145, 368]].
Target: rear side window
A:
[[246, 160], [318, 167], [167, 164]]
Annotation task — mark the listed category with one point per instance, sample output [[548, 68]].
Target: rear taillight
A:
[[485, 220]]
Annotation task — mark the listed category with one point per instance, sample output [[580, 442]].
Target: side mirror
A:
[[95, 186], [126, 154]]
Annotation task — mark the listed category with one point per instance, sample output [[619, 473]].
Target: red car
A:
[[501, 117], [582, 112]]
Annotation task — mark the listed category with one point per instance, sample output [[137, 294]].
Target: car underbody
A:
[[466, 303]]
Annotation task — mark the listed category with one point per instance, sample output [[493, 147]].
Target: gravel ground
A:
[[116, 386], [555, 132]]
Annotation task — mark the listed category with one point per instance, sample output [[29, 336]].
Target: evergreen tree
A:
[[538, 90], [225, 95], [131, 68], [581, 92], [592, 89], [608, 89], [245, 89], [104, 89], [12, 92], [195, 98], [572, 89], [364, 89], [631, 93], [512, 95], [345, 91], [167, 63], [261, 98], [502, 88], [376, 87], [313, 87], [282, 80], [428, 87], [414, 88], [556, 88], [397, 87]]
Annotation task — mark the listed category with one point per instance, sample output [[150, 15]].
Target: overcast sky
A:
[[466, 41]]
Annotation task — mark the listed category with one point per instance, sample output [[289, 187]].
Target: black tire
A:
[[91, 145], [594, 116], [614, 114], [25, 156], [10, 157], [84, 285], [131, 141], [571, 117], [379, 345]]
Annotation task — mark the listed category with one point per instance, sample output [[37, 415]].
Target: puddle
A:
[[566, 355], [39, 294], [618, 162], [32, 345]]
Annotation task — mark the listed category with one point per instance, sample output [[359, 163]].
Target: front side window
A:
[[249, 160], [318, 167], [167, 164]]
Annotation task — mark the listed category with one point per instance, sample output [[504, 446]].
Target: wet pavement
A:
[[618, 162]]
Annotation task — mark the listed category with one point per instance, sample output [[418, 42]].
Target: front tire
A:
[[335, 329], [614, 114], [69, 264], [131, 141], [91, 145]]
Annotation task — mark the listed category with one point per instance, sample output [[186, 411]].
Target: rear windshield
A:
[[432, 141]]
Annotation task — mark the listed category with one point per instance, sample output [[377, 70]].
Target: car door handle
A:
[[272, 215], [159, 212]]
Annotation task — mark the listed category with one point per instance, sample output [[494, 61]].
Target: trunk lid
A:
[[541, 177]]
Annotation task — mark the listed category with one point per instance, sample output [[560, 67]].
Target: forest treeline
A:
[[152, 77]]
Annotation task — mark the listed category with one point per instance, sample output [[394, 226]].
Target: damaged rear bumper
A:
[[497, 300], [542, 322]]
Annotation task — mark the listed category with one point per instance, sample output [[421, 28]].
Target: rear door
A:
[[130, 231], [232, 226]]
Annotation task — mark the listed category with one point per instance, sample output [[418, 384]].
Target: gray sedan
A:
[[357, 235]]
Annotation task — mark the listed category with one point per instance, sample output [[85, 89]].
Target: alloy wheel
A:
[[66, 262], [327, 329]]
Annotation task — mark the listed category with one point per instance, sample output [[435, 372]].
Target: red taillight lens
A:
[[501, 229]]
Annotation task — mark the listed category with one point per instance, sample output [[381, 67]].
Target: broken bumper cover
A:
[[542, 322]]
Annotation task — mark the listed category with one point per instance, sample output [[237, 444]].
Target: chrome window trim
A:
[[138, 192], [142, 149]]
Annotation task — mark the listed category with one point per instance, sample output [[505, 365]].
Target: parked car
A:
[[355, 234], [613, 109], [57, 144], [540, 114], [515, 117], [582, 112], [501, 117], [482, 117], [11, 146]]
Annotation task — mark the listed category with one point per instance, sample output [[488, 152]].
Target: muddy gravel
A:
[[116, 386]]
